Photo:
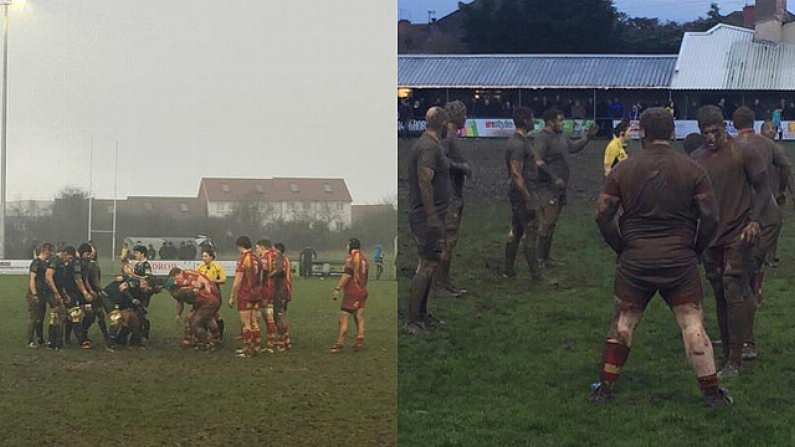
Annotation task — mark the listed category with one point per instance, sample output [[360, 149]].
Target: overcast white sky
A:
[[677, 10], [192, 88]]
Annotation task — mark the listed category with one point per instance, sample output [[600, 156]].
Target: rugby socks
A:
[[709, 385], [420, 286], [529, 251], [40, 330], [511, 248], [613, 358]]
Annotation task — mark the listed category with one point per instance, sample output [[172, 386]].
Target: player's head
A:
[[769, 130], [743, 118], [85, 251], [712, 126], [279, 246], [436, 119], [523, 118], [243, 243], [263, 245], [692, 142], [68, 253], [354, 244], [139, 252], [46, 250], [622, 130], [553, 119], [208, 255], [458, 113], [656, 124], [174, 272]]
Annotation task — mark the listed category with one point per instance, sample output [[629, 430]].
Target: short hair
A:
[[521, 116], [692, 142], [622, 127], [743, 118], [551, 114], [47, 246], [210, 252], [436, 118], [69, 250], [84, 248], [657, 123], [264, 243], [279, 246], [709, 115], [456, 110], [140, 249], [174, 271], [354, 244], [243, 242]]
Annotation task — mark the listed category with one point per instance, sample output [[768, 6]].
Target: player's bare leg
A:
[[550, 213], [529, 249], [283, 326], [737, 321], [511, 249], [698, 347], [270, 328], [616, 351], [342, 331], [249, 319], [358, 317]]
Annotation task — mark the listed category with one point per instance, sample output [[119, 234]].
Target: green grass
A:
[[514, 364], [166, 396]]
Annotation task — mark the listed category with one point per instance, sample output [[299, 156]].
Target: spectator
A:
[[789, 112], [776, 119], [125, 251], [578, 111], [760, 111], [191, 251], [692, 142], [617, 110], [163, 252], [150, 252], [536, 106]]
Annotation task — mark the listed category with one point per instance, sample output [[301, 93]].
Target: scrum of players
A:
[[67, 282]]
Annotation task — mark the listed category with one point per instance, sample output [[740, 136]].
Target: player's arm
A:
[[610, 156], [456, 166], [32, 283], [608, 205], [50, 277], [784, 168], [180, 309], [540, 148], [756, 172], [517, 166], [580, 143], [346, 276], [235, 288], [707, 207], [425, 176]]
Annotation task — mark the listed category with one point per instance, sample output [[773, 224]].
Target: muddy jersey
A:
[[428, 153], [519, 148], [248, 265], [730, 170], [356, 265], [207, 294], [552, 147], [453, 152], [765, 148], [39, 267], [658, 189]]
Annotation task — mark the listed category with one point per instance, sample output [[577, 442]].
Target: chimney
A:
[[769, 20], [748, 16]]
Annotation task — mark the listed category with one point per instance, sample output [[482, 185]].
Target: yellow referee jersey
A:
[[614, 153], [214, 271]]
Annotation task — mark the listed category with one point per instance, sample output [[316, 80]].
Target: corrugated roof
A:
[[727, 58], [536, 71]]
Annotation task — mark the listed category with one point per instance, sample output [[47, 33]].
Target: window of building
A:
[[183, 207], [327, 188], [148, 206], [339, 206], [340, 226], [225, 187], [260, 189], [294, 187]]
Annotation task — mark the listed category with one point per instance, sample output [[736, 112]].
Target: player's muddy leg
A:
[[698, 346], [103, 327], [270, 328], [256, 332], [342, 331], [616, 350], [736, 321], [358, 317], [33, 319], [550, 213], [529, 247], [419, 290], [512, 248], [713, 269]]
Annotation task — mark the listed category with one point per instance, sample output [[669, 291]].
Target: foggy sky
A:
[[677, 10], [192, 88]]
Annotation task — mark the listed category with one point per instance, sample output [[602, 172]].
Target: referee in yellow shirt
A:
[[615, 151], [213, 270]]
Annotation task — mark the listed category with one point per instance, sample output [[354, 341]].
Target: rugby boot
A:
[[719, 400], [730, 370], [601, 393]]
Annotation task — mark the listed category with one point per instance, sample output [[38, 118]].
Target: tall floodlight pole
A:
[[5, 5], [90, 186], [115, 190]]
